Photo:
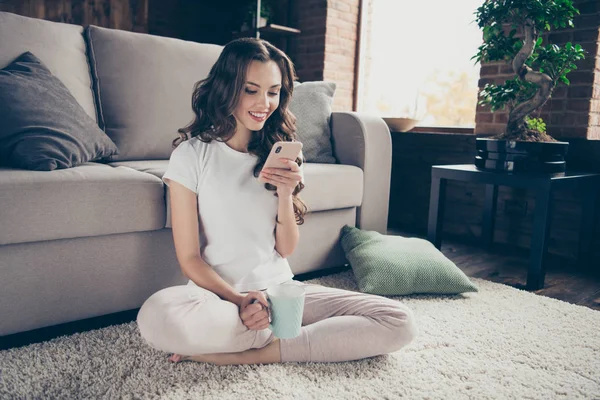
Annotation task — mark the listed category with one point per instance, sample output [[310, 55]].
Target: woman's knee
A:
[[172, 319], [404, 328], [153, 316], [407, 327]]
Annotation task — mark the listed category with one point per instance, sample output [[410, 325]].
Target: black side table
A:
[[542, 184]]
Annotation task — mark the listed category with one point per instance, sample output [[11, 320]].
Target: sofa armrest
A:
[[364, 141]]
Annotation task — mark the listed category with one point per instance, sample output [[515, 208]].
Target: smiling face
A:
[[259, 97]]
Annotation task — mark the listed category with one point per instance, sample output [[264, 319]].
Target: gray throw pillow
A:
[[42, 126], [395, 265], [311, 104]]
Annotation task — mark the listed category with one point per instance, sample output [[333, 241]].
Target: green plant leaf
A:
[[535, 124], [539, 41]]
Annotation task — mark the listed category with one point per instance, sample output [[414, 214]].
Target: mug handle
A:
[[268, 310]]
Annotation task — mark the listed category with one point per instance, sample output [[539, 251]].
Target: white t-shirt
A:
[[236, 213]]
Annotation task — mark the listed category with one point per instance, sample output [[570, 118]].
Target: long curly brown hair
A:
[[215, 98]]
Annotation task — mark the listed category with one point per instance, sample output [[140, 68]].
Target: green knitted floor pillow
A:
[[396, 265]]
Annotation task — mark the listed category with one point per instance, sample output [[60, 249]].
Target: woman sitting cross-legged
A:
[[234, 225]]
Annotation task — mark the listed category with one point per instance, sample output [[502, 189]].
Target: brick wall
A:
[[573, 111], [340, 50], [326, 48]]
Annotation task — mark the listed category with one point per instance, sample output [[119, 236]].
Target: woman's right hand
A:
[[255, 316]]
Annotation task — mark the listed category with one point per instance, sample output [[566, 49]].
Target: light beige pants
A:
[[338, 325]]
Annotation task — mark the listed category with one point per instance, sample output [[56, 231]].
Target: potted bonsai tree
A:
[[512, 32]]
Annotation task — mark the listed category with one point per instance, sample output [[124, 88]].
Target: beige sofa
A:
[[95, 239]]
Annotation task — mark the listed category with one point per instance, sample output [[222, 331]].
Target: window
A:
[[416, 61]]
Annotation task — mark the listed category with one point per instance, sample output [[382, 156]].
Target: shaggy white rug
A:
[[500, 343]]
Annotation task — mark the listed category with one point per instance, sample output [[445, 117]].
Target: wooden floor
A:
[[508, 265], [501, 264]]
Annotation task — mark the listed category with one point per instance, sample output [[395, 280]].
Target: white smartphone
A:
[[289, 150]]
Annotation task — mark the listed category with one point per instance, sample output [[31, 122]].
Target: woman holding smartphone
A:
[[234, 224]]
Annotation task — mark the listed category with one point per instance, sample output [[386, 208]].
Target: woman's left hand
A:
[[285, 180]]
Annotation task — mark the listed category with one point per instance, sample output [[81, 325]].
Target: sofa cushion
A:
[[88, 200], [332, 186], [328, 186], [154, 167], [311, 105], [61, 47], [43, 127], [144, 85]]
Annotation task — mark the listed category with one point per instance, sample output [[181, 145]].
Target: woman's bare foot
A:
[[175, 358], [216, 358], [267, 355]]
